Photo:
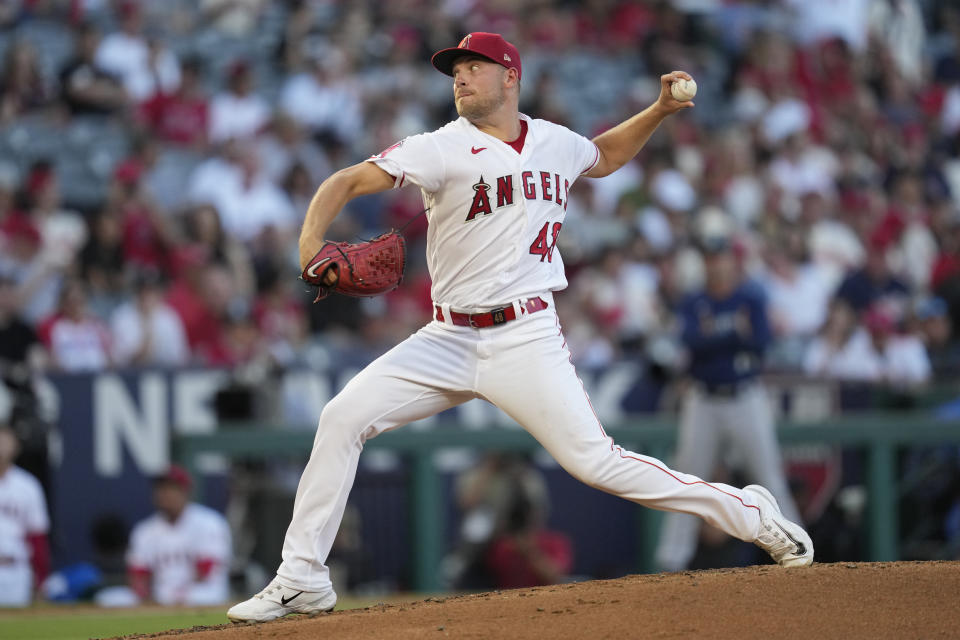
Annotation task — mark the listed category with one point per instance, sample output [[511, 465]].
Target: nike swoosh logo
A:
[[475, 151], [312, 271], [801, 548], [286, 601]]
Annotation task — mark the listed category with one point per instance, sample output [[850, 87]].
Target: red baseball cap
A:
[[128, 172], [491, 46], [177, 476]]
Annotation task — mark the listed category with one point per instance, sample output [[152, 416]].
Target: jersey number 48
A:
[[543, 245]]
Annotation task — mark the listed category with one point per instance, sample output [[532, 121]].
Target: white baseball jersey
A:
[[23, 511], [494, 214], [171, 551]]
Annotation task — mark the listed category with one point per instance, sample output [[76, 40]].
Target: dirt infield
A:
[[845, 600]]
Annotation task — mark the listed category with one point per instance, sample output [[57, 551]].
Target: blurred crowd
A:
[[157, 158]]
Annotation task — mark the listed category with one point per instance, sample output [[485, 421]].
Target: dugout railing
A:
[[879, 435]]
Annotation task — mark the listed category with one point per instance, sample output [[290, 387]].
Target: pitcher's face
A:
[[478, 87]]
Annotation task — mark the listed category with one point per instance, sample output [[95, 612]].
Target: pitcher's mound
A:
[[844, 600]]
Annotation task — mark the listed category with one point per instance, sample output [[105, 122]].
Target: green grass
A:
[[81, 622], [70, 623]]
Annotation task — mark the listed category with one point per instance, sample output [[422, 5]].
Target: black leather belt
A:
[[725, 390]]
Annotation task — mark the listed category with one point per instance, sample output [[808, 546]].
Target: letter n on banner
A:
[[119, 423]]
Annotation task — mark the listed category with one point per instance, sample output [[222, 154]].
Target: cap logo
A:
[[507, 58], [465, 43]]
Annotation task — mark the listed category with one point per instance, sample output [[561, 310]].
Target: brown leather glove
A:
[[361, 270]]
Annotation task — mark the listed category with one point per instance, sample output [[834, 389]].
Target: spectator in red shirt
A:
[[527, 554], [146, 238], [200, 297], [181, 117], [946, 266], [281, 319]]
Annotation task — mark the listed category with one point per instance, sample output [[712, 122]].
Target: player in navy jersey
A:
[[726, 331]]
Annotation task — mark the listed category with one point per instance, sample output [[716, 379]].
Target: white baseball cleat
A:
[[785, 541], [276, 601]]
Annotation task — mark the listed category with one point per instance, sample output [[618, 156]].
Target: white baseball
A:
[[683, 90]]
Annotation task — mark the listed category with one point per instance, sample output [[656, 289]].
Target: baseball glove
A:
[[362, 269]]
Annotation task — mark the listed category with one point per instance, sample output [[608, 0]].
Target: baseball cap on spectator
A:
[[177, 476], [852, 199], [128, 172], [491, 46], [238, 68], [405, 35], [128, 9], [879, 241]]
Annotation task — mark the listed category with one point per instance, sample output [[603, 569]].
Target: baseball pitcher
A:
[[495, 183]]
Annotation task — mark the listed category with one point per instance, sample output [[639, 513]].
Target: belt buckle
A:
[[724, 390]]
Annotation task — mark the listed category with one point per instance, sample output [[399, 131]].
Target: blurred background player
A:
[[725, 407], [180, 554], [24, 551]]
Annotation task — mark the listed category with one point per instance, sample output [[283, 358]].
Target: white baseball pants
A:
[[16, 584], [524, 368], [706, 426]]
